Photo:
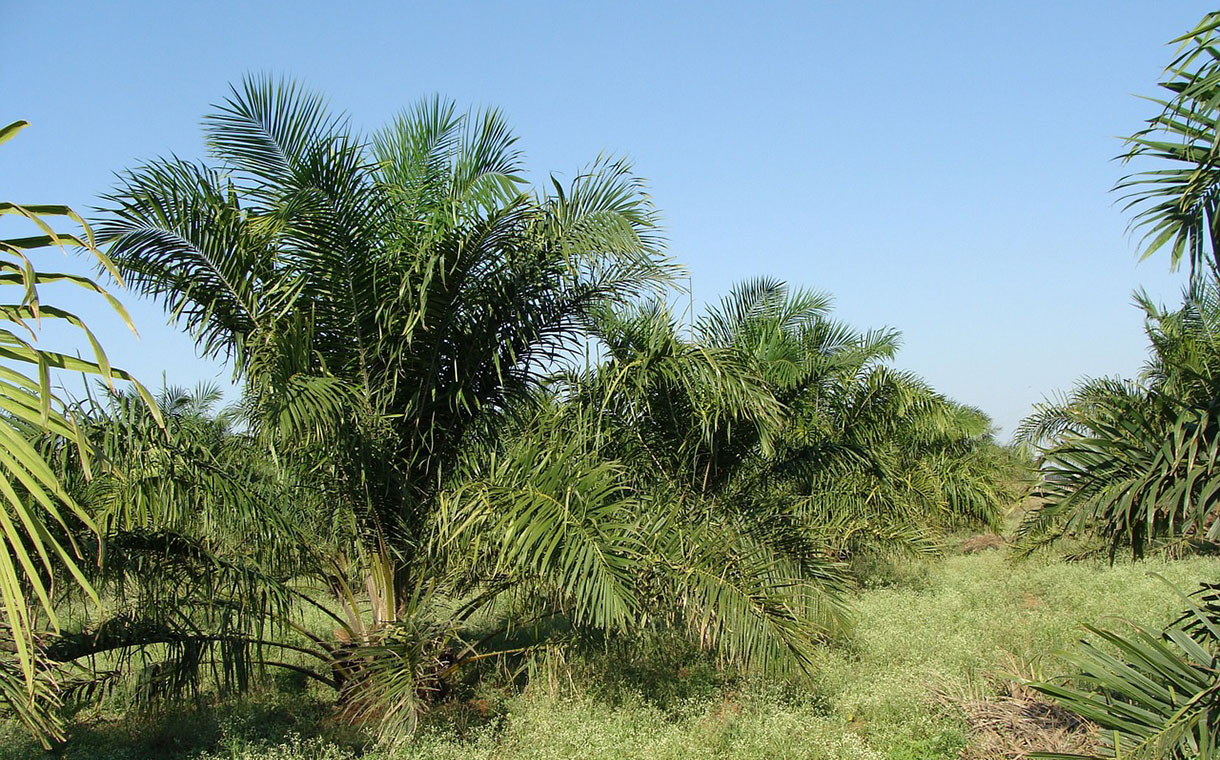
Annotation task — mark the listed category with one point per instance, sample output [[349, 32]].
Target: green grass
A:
[[950, 627], [973, 619]]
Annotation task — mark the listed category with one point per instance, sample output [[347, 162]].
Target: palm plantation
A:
[[478, 448], [471, 428], [414, 331]]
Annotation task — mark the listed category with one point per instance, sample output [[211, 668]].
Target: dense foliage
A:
[[475, 438], [471, 429]]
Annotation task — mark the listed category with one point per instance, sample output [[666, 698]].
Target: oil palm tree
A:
[[389, 305], [389, 297], [1135, 463], [780, 435], [865, 450], [685, 417]]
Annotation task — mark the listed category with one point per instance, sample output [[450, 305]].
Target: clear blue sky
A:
[[938, 167]]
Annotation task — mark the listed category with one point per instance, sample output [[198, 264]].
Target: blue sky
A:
[[941, 168]]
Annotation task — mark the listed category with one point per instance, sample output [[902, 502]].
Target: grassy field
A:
[[929, 640]]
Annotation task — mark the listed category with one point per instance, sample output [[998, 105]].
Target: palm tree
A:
[[778, 435], [391, 298], [1136, 463], [865, 450], [388, 306], [687, 417]]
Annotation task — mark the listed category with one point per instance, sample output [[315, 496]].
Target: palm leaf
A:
[[34, 501]]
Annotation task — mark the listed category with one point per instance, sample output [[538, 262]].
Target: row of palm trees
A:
[[471, 427], [1135, 465]]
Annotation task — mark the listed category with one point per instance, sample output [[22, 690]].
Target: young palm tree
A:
[[388, 306], [777, 434], [866, 450], [1137, 463], [388, 298]]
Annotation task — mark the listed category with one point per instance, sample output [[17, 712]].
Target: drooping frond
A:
[[1152, 693], [548, 511], [37, 516], [1176, 207]]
